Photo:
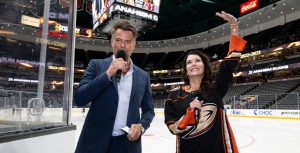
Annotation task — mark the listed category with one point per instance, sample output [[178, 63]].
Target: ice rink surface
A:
[[252, 135]]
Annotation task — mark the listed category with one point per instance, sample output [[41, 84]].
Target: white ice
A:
[[252, 135]]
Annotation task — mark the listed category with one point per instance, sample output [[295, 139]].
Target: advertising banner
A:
[[264, 113], [248, 6]]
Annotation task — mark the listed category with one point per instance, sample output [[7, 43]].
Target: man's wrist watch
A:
[[142, 129]]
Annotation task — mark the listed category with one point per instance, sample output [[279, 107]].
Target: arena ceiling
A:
[[178, 18]]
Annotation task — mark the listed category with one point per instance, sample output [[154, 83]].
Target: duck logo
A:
[[206, 121]]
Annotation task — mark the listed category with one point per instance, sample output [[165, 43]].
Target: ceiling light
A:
[[26, 64], [208, 1], [7, 32]]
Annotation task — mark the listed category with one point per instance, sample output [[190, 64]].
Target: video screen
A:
[[142, 9], [149, 5], [99, 7]]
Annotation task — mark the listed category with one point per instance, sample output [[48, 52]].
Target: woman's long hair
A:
[[207, 70]]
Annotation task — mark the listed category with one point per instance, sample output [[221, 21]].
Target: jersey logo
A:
[[206, 121]]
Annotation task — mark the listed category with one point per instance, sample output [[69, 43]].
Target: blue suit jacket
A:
[[95, 87]]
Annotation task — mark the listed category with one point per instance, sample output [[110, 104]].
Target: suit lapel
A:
[[132, 101], [113, 78], [134, 84]]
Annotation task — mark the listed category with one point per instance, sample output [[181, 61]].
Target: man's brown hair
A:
[[124, 25]]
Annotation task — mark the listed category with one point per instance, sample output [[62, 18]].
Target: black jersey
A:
[[213, 133]]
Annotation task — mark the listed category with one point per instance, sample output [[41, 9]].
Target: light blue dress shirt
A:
[[124, 92]]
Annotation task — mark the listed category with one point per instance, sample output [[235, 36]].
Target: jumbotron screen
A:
[[144, 9], [149, 5]]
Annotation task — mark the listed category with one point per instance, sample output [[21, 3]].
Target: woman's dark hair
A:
[[207, 71]]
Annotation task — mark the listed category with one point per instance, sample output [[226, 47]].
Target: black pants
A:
[[118, 144]]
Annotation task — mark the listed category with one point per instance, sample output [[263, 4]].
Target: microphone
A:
[[197, 95], [120, 54], [197, 116]]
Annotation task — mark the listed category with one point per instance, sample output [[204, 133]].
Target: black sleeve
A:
[[224, 77], [170, 111]]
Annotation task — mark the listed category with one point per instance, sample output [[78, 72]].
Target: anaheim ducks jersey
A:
[[213, 133]]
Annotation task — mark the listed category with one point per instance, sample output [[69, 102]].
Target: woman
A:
[[195, 112]]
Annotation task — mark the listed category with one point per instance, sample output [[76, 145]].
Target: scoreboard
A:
[[142, 13]]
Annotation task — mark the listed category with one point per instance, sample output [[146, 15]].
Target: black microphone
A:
[[120, 54], [197, 95], [196, 115]]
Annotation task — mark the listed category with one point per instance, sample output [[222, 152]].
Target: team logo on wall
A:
[[36, 106]]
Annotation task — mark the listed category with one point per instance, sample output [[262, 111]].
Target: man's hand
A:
[[116, 64], [134, 132]]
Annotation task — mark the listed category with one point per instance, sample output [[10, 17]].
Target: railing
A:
[[266, 101]]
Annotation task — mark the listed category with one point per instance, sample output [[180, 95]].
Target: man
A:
[[114, 104]]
